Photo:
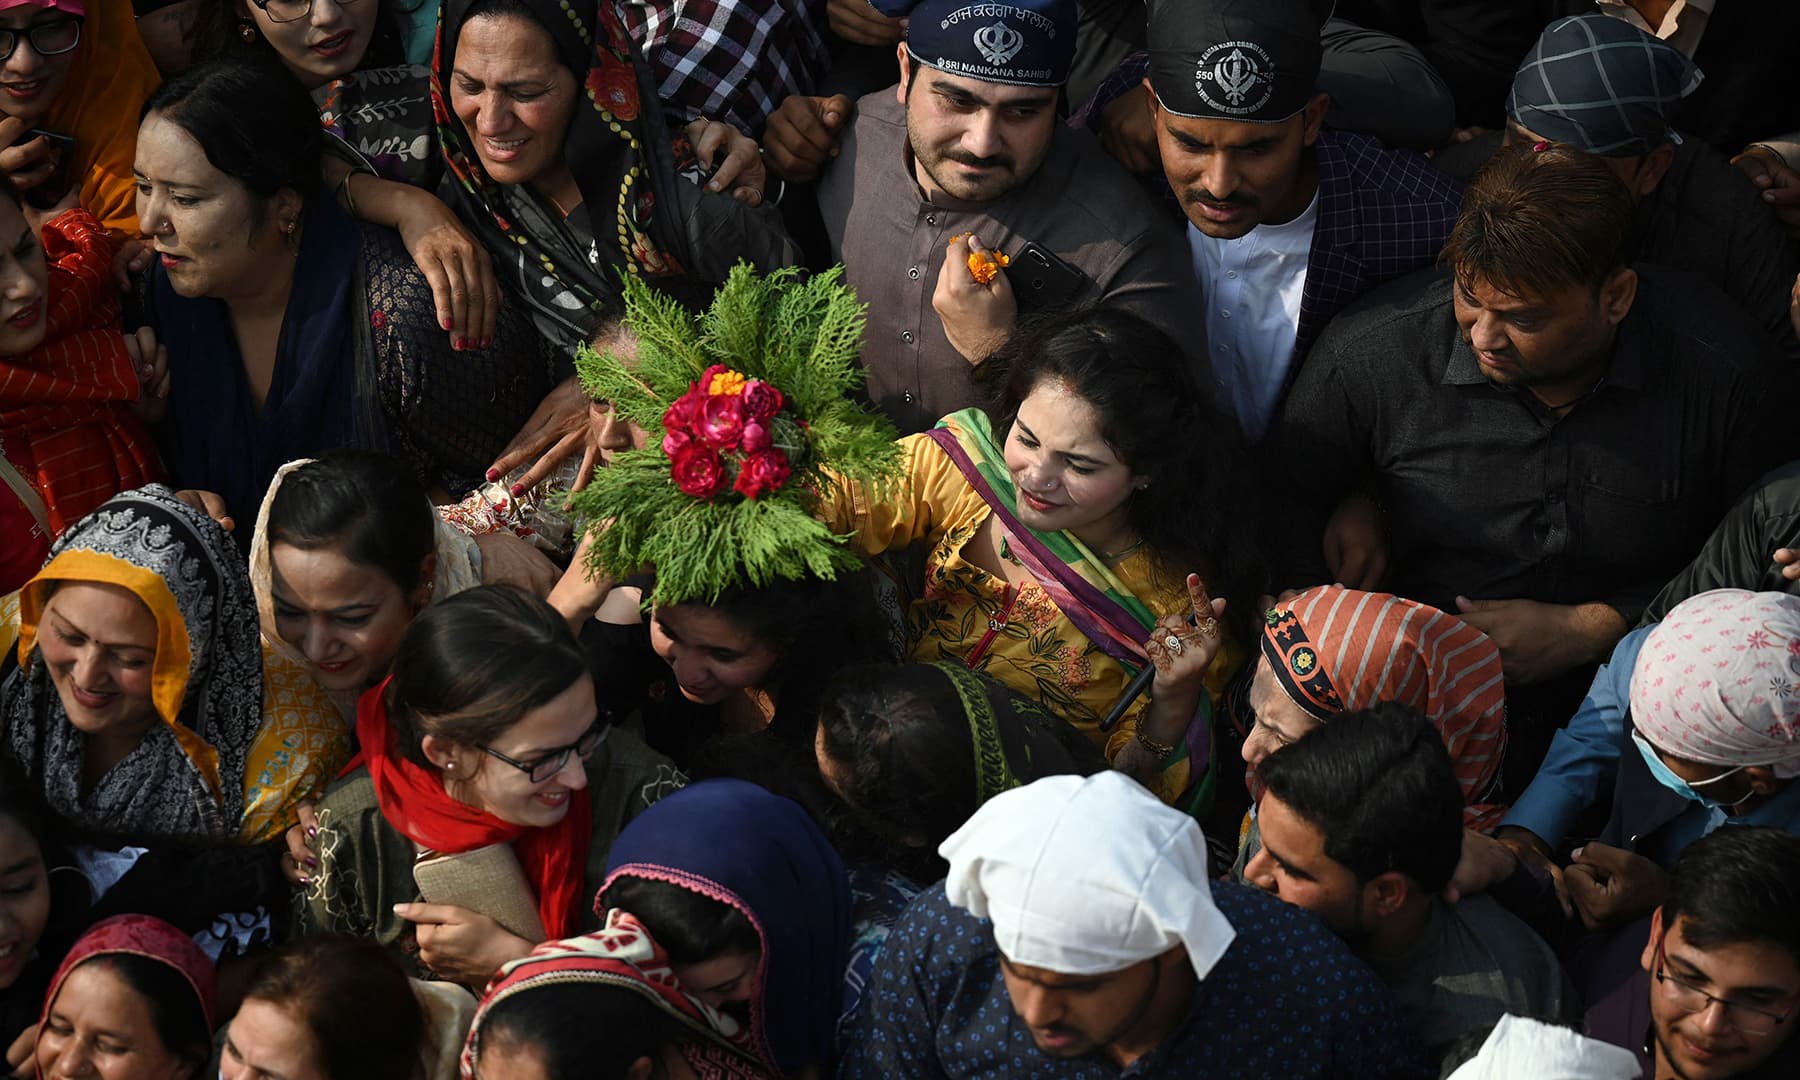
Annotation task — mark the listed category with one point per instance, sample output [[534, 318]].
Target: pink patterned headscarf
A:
[[73, 7], [1718, 681]]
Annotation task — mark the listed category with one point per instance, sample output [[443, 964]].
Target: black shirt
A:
[[1488, 494], [1740, 554]]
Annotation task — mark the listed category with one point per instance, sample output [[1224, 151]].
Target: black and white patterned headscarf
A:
[[185, 778]]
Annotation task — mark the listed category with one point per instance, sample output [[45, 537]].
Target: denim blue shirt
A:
[[1286, 1000], [1583, 755]]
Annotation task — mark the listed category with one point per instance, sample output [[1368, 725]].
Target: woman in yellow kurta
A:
[[1056, 560], [139, 696]]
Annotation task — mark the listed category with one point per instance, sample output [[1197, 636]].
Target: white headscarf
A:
[[1520, 1047], [1087, 876], [1718, 681]]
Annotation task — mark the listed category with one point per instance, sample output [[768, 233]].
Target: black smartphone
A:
[[56, 185], [1041, 280]]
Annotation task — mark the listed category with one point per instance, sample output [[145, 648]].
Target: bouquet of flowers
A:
[[750, 422]]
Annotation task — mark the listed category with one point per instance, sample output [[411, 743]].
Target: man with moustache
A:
[[966, 157], [1711, 989], [1078, 935], [1535, 439], [1287, 221]]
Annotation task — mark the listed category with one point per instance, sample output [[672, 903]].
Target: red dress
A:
[[65, 407]]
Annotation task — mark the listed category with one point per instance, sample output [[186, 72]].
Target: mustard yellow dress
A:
[[1014, 633]]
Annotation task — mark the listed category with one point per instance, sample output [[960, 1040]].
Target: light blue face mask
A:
[[1667, 778]]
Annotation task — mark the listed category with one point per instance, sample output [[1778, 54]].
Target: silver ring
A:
[[1174, 644]]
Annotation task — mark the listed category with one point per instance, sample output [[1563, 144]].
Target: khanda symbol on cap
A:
[[1237, 75], [999, 43]]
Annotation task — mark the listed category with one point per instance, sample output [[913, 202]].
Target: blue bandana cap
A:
[[1024, 43], [1602, 86], [1253, 61]]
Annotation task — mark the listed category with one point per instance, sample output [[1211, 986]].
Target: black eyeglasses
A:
[[282, 11], [1691, 999], [552, 761], [47, 38]]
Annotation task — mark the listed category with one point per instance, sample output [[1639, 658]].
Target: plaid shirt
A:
[[729, 60], [1382, 213]]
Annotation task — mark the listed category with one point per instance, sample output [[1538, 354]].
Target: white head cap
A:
[[1087, 876], [1522, 1047]]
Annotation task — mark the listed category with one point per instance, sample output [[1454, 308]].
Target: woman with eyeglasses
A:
[[486, 734], [317, 40], [68, 111]]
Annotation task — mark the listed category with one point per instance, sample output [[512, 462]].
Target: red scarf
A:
[[65, 406], [413, 800]]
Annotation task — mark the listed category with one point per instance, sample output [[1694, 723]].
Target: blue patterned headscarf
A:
[[1601, 85], [736, 843]]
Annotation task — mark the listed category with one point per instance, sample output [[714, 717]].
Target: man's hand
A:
[[151, 362], [1128, 132], [1538, 641], [803, 134], [508, 560], [461, 945], [860, 24], [1789, 561], [1355, 546], [1779, 184], [30, 163], [1484, 863], [733, 157], [1610, 886], [976, 317]]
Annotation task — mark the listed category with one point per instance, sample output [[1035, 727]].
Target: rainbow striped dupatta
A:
[[1076, 580]]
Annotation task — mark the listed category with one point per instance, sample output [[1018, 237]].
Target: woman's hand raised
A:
[[1182, 647]]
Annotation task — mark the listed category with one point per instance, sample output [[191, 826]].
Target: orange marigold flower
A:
[[984, 268], [726, 382]]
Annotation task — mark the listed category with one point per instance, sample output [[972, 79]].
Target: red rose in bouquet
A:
[[674, 439], [756, 437], [762, 473], [683, 414], [698, 472], [761, 401], [721, 421]]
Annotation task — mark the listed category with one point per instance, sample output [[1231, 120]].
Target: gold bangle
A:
[[349, 199], [1161, 751]]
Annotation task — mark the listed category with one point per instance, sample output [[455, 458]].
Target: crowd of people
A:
[[899, 538]]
